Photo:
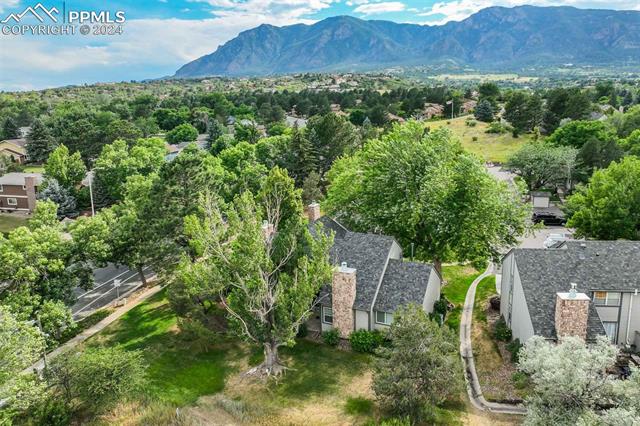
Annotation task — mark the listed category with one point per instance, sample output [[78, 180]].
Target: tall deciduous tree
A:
[[544, 165], [425, 190], [577, 133], [266, 275], [68, 170], [607, 208], [421, 368]]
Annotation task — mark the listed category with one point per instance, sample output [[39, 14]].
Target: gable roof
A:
[[18, 143], [403, 283], [370, 254], [592, 265], [18, 178]]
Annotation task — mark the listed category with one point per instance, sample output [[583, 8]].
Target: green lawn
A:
[[489, 147], [321, 381], [9, 222], [485, 289], [34, 169], [458, 278]]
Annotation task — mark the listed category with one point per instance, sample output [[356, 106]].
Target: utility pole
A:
[[44, 352], [93, 210]]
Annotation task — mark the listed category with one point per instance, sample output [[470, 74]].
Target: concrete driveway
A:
[[104, 291], [536, 240]]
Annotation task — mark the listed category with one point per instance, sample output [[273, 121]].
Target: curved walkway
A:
[[466, 352]]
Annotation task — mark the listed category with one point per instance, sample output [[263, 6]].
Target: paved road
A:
[[466, 352], [104, 291]]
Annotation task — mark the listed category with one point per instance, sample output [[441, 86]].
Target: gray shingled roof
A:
[[18, 178], [592, 265], [403, 283], [367, 253]]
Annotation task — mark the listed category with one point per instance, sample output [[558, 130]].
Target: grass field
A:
[[488, 146], [9, 222], [324, 385], [458, 278], [34, 169]]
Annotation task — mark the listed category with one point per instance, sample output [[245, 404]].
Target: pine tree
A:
[[215, 131], [39, 143], [303, 160], [484, 111], [60, 195], [311, 188], [10, 129]]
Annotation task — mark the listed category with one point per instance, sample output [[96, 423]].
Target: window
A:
[[327, 315], [12, 202], [1, 189], [384, 317], [606, 298], [611, 328]]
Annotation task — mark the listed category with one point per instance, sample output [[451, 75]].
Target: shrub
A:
[[331, 337], [441, 306], [514, 348], [474, 139], [501, 331], [98, 377], [471, 123], [52, 411], [303, 330], [496, 127], [520, 380], [358, 406], [366, 341]]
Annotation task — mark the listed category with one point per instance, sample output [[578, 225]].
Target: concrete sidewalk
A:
[[131, 303], [466, 352]]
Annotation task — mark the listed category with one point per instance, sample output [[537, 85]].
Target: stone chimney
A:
[[30, 184], [343, 294], [572, 311], [313, 212]]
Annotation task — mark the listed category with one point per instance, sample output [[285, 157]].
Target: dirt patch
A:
[[493, 362]]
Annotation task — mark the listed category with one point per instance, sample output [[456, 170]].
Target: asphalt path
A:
[[104, 290]]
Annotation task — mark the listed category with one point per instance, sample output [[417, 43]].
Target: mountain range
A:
[[495, 38]]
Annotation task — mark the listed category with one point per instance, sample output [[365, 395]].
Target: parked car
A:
[[553, 239], [549, 219]]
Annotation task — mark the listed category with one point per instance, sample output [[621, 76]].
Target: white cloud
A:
[[8, 4], [378, 8], [457, 10]]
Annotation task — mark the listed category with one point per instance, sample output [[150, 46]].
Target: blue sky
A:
[[161, 35]]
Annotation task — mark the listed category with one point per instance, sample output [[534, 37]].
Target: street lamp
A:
[[93, 210]]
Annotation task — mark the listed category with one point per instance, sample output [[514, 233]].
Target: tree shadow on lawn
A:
[[316, 369]]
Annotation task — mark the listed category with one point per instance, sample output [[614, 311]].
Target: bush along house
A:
[[370, 280], [18, 191], [581, 288]]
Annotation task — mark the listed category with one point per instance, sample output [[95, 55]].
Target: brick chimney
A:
[[313, 212], [572, 311], [30, 184], [343, 294]]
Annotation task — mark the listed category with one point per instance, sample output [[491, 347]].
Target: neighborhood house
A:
[[581, 288], [14, 149], [371, 280], [18, 191]]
